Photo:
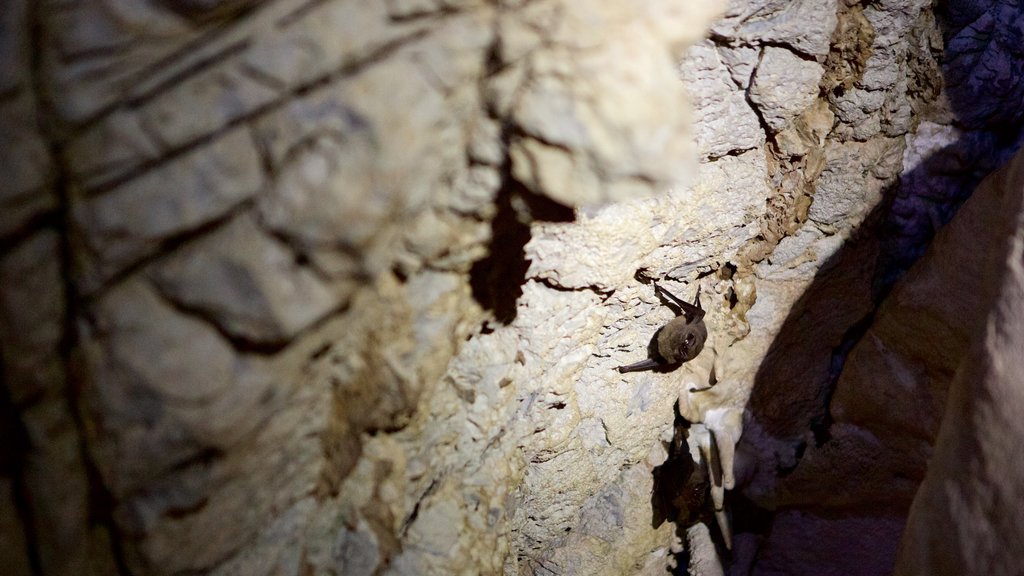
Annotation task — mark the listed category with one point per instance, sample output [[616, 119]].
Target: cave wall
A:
[[244, 241], [965, 518], [338, 288]]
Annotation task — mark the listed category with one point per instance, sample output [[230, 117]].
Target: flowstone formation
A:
[[339, 287]]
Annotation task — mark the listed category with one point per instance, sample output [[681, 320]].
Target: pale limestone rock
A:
[[723, 119], [806, 25], [248, 284], [704, 559], [381, 155], [928, 140], [853, 179], [799, 256], [741, 61], [713, 215], [600, 69], [131, 221], [112, 149], [783, 86], [138, 390]]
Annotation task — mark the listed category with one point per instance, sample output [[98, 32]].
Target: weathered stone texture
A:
[[806, 25], [274, 210], [783, 86], [335, 287], [132, 221], [723, 120], [875, 440]]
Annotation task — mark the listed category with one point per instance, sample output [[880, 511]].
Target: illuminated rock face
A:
[[338, 287]]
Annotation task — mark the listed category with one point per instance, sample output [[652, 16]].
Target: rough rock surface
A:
[[336, 287], [965, 518], [254, 235]]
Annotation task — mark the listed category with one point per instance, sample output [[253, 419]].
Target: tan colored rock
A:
[[248, 284], [130, 222], [783, 86], [349, 282], [597, 117], [723, 119], [965, 518]]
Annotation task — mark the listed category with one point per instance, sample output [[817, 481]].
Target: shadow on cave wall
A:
[[983, 74], [497, 279]]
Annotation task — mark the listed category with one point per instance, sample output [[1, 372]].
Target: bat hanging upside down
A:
[[678, 341]]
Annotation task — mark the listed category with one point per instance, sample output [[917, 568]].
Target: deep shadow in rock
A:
[[680, 491], [497, 279], [14, 451], [983, 70]]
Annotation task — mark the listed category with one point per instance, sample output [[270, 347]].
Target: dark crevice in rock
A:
[[100, 501], [262, 77], [765, 128], [794, 50], [14, 452], [174, 152], [603, 294], [680, 492], [432, 13], [165, 246], [821, 426], [431, 488], [205, 12], [33, 225], [240, 343], [497, 279]]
